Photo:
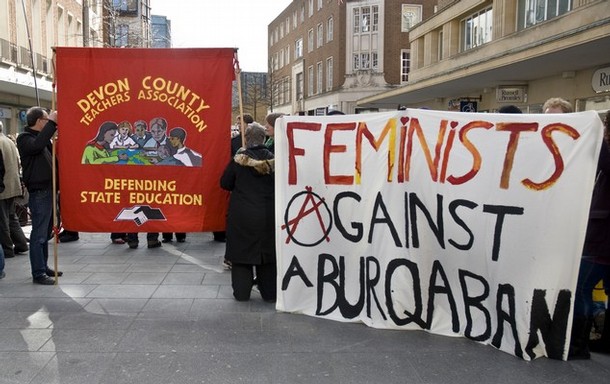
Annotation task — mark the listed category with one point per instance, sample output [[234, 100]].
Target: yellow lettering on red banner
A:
[[100, 197], [165, 198], [103, 98], [175, 95]]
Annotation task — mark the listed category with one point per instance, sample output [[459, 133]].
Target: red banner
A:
[[143, 137]]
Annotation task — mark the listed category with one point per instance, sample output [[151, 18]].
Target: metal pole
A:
[[27, 29]]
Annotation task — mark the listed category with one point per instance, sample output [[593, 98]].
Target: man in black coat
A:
[[37, 162]]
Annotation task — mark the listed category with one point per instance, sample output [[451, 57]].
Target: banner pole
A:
[[54, 174], [242, 128]]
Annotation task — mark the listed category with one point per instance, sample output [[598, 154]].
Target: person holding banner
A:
[[35, 150], [595, 263], [250, 220], [270, 127]]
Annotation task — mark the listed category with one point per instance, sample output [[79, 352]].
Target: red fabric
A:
[[190, 89]]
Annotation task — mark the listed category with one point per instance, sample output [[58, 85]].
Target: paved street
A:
[[167, 315]]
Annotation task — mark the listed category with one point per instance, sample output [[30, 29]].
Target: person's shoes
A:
[[154, 244], [181, 240], [21, 250], [132, 244], [9, 255], [51, 272], [2, 275], [167, 240], [118, 241], [221, 237], [43, 280], [227, 264], [68, 237]]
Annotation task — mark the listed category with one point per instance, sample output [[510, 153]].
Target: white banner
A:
[[457, 223]]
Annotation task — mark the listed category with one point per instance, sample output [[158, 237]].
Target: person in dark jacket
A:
[[35, 149], [595, 262], [250, 220]]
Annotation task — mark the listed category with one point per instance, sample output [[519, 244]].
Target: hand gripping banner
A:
[[143, 137]]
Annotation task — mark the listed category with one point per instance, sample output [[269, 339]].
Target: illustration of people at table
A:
[[123, 140], [188, 157], [97, 150], [141, 134]]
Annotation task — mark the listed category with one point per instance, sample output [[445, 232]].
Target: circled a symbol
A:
[[313, 217]]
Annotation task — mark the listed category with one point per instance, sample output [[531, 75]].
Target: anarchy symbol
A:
[[311, 205]]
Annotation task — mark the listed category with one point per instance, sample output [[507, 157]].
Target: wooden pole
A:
[[54, 173], [242, 128]]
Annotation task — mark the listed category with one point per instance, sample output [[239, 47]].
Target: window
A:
[[329, 30], [310, 80], [310, 40], [365, 38], [299, 89], [287, 25], [476, 29], [329, 74], [532, 12], [298, 49], [287, 53], [294, 20], [125, 6], [310, 9], [319, 4], [411, 15], [320, 35], [320, 77], [121, 39], [286, 89], [281, 58], [281, 30], [405, 65], [302, 13], [440, 45]]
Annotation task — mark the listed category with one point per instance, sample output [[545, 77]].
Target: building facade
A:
[[29, 30], [161, 31], [325, 54], [485, 54]]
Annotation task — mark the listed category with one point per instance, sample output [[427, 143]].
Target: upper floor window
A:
[[125, 5], [364, 55], [310, 81], [366, 19], [287, 25], [310, 40], [319, 77], [532, 12], [310, 13], [302, 13], [298, 48], [121, 39], [329, 30], [411, 15], [282, 31], [477, 28], [329, 74], [405, 65], [320, 36], [319, 4], [294, 20]]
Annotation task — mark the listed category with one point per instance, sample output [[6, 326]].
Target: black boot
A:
[[579, 342], [602, 345]]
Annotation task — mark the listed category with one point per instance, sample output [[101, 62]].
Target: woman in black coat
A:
[[250, 220], [595, 262]]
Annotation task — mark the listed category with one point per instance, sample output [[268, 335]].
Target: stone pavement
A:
[[167, 315]]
